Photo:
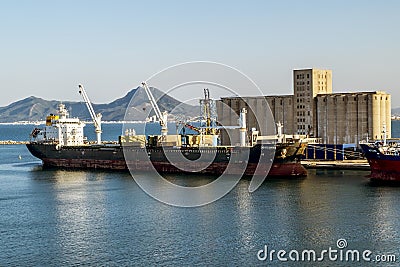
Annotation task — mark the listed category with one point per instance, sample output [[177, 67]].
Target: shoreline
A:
[[41, 123], [12, 142]]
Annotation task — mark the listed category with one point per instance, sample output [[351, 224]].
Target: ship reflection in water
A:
[[55, 217]]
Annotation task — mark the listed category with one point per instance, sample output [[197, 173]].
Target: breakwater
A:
[[12, 142]]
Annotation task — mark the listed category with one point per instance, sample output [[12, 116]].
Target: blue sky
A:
[[48, 47]]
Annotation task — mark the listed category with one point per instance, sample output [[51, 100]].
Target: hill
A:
[[396, 112], [36, 109]]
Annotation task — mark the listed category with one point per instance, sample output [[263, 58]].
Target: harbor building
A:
[[282, 108], [307, 84], [314, 111], [343, 118], [258, 117]]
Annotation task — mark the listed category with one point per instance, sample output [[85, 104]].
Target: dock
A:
[[359, 164]]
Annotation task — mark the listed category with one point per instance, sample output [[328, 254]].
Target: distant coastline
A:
[[86, 122], [12, 142], [394, 118]]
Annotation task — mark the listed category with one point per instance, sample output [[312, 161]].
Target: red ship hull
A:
[[384, 170], [294, 169], [286, 162], [384, 167]]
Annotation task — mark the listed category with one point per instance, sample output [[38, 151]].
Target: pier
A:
[[359, 164]]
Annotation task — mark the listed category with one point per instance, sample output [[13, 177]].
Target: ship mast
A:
[[242, 127], [384, 135], [208, 113], [95, 117], [161, 116]]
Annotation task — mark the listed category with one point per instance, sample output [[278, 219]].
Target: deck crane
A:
[[95, 117], [207, 111], [161, 116]]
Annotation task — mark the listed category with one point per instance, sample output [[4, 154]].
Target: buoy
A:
[[20, 157]]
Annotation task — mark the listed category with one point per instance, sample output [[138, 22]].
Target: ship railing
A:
[[44, 142], [339, 151]]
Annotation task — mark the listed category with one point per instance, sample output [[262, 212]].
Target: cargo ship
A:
[[384, 160], [61, 143]]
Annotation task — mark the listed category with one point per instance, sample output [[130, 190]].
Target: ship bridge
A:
[[61, 129]]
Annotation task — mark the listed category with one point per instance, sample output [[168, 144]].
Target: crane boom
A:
[[161, 116], [95, 117]]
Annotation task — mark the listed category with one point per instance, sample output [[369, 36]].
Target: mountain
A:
[[36, 109], [396, 112]]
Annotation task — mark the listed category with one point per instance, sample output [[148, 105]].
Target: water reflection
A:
[[101, 217], [246, 223], [384, 212], [77, 199]]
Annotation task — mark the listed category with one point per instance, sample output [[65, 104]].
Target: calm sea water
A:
[[58, 218]]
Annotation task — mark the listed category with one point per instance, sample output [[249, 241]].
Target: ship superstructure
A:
[[61, 130]]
